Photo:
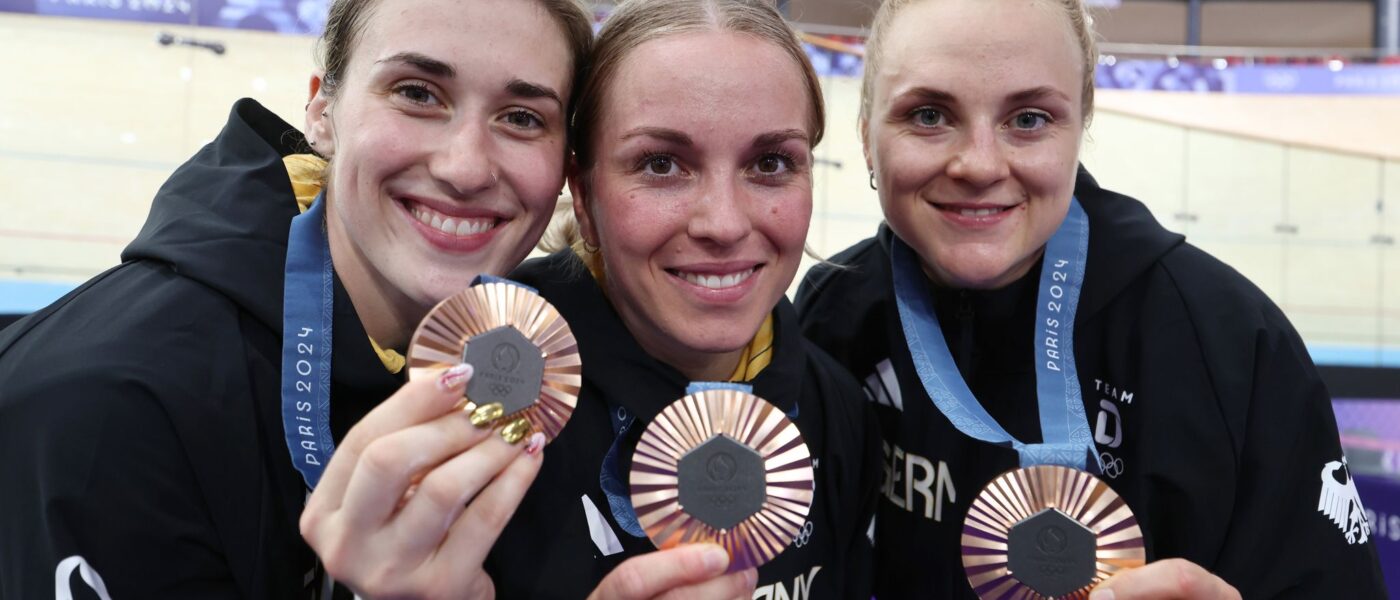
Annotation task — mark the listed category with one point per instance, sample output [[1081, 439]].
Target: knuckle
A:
[[495, 514], [442, 491], [1189, 583], [336, 559], [309, 526], [629, 582], [383, 456]]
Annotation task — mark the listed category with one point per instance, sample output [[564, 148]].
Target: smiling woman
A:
[[1013, 314], [164, 423], [692, 191]]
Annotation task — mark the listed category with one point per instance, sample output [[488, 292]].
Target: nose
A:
[[980, 159], [721, 215], [465, 163]]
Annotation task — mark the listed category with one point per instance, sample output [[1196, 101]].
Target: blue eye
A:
[[1030, 120], [927, 117]]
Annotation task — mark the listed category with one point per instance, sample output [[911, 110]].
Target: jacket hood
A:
[[1125, 240], [222, 218]]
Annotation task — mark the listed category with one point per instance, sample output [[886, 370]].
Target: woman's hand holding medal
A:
[[415, 496], [690, 571]]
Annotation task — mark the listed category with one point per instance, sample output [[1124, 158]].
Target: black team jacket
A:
[[140, 426], [548, 549], [1207, 412]]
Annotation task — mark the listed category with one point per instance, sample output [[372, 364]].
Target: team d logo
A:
[[1341, 503]]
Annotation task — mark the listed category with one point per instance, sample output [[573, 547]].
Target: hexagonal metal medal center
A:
[[722, 482], [508, 369], [1051, 553]]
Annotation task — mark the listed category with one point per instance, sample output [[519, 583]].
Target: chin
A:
[[974, 272], [711, 341]]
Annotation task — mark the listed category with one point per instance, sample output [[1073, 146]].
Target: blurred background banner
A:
[[283, 16], [1218, 75]]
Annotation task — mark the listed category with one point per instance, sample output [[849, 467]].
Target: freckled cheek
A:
[[786, 222], [638, 228]]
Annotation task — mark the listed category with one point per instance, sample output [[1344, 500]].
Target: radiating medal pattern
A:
[[1023, 532], [493, 309], [737, 461]]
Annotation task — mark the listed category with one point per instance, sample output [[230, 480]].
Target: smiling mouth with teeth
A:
[[458, 226], [712, 281], [976, 212]]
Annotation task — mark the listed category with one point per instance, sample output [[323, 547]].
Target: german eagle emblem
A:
[[1341, 503]]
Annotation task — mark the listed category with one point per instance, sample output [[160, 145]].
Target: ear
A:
[[579, 191], [863, 127], [319, 128]]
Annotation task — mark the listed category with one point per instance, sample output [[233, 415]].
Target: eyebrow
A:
[[1027, 95], [927, 93], [661, 133], [424, 63], [524, 89], [771, 138], [1038, 93], [774, 138]]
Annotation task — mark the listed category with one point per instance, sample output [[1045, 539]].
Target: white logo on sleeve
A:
[[599, 530], [882, 386], [63, 578], [1340, 502]]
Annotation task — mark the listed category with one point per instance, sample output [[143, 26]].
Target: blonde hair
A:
[[1079, 22], [635, 22]]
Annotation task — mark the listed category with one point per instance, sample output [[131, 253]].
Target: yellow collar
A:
[[307, 171]]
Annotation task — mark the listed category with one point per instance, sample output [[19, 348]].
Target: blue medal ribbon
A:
[[306, 343], [1063, 423]]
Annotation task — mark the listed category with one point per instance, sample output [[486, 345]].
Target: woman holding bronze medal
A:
[[704, 416], [163, 425], [1066, 390]]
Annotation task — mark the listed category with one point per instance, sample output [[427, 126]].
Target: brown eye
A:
[[772, 164], [524, 119], [660, 165]]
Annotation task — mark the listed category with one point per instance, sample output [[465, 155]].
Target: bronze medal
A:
[[726, 467], [1047, 532], [525, 356]]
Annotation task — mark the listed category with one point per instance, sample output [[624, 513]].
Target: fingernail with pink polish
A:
[[455, 377], [534, 444]]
